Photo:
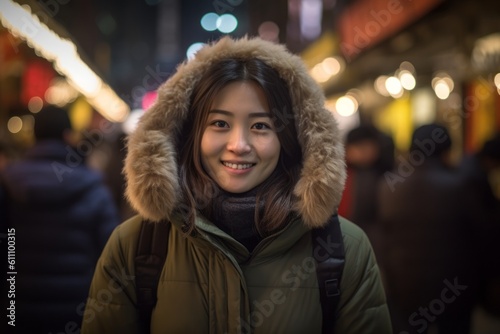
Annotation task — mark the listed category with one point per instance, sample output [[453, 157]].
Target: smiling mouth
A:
[[237, 166]]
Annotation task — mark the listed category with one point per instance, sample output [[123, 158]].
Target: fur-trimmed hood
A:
[[151, 169]]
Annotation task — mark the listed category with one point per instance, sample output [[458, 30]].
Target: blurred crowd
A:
[[433, 224]]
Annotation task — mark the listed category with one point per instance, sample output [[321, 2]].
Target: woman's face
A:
[[239, 146]]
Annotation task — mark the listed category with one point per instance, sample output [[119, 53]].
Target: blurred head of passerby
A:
[[52, 123], [368, 147], [431, 140], [489, 155]]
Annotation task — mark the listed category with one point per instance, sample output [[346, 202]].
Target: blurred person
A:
[[479, 170], [369, 154], [241, 157], [428, 237], [116, 151], [62, 215]]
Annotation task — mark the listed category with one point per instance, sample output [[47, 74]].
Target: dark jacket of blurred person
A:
[[369, 153], [62, 215], [478, 170], [428, 259]]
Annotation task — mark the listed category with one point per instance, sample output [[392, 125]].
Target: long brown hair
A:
[[276, 192]]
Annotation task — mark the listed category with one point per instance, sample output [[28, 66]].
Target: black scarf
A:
[[235, 215]]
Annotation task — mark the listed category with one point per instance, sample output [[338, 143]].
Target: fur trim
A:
[[151, 164]]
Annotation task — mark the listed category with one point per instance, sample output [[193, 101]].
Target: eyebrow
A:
[[228, 113]]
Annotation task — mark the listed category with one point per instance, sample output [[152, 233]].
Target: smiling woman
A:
[[241, 157]]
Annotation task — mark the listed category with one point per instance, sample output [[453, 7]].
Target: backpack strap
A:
[[150, 257], [328, 251]]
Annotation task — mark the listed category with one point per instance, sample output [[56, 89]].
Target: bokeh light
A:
[[269, 31], [209, 21], [35, 104], [192, 49], [346, 105], [227, 23], [15, 124]]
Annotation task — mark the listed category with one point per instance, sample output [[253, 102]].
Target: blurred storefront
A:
[[394, 63], [400, 64], [41, 64]]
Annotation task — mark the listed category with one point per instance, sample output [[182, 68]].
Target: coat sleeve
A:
[[362, 307], [111, 305]]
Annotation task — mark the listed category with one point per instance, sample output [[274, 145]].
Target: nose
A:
[[239, 142]]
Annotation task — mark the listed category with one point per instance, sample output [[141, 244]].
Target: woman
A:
[[239, 154]]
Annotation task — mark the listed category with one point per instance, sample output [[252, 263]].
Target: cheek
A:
[[270, 150], [205, 150], [207, 145], [211, 147]]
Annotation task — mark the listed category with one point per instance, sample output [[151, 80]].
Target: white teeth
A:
[[237, 166]]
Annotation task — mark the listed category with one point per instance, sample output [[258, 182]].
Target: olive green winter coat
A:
[[210, 283]]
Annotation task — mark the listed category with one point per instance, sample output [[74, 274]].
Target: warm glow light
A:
[[443, 85], [346, 105], [318, 73], [15, 124], [443, 77], [442, 89], [107, 99], [80, 76], [35, 104], [407, 80], [497, 80], [331, 66], [379, 85], [60, 93], [393, 86]]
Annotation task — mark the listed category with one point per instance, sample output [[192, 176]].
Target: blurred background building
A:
[[398, 63], [395, 63]]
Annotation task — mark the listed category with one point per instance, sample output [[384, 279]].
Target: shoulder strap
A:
[[150, 257], [328, 251]]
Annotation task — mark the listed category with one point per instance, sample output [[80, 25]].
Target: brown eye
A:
[[220, 124], [261, 126]]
